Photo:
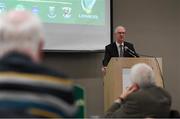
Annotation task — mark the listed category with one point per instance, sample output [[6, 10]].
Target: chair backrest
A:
[[80, 101], [174, 114]]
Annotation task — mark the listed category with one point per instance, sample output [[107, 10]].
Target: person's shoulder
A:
[[149, 92], [143, 92], [159, 89], [44, 70], [163, 91], [110, 45], [127, 43], [138, 93]]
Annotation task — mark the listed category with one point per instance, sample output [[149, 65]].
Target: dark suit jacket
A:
[[149, 102], [112, 51]]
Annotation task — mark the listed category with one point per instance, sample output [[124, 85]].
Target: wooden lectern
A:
[[113, 78]]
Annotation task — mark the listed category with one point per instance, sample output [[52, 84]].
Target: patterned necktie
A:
[[121, 50]]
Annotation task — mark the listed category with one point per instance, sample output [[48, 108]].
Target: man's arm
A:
[[107, 57], [115, 106], [106, 60], [113, 111]]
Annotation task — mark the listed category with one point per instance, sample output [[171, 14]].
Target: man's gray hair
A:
[[19, 30], [142, 75], [118, 27]]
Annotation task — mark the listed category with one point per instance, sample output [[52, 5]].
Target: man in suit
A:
[[143, 99], [120, 48]]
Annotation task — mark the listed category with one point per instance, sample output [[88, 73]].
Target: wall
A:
[[152, 25], [85, 69]]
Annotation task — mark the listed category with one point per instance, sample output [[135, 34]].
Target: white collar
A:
[[117, 44]]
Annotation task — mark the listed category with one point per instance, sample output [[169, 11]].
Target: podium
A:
[[113, 79]]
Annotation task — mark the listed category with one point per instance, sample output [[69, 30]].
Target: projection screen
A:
[[70, 25]]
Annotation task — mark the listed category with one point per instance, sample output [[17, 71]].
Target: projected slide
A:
[[88, 12], [69, 25]]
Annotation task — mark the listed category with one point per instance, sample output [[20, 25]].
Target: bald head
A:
[[142, 75], [20, 31]]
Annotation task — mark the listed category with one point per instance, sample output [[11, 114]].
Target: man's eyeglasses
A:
[[121, 32]]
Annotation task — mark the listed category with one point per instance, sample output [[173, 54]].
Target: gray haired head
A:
[[20, 30], [142, 75]]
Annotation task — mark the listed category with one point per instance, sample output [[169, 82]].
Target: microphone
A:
[[131, 52]]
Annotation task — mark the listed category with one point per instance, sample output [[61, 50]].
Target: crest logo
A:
[[87, 5], [67, 12], [52, 12]]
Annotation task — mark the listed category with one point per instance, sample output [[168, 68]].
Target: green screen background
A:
[[54, 8]]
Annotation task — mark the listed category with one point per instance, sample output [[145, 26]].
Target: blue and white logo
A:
[[88, 5], [35, 10]]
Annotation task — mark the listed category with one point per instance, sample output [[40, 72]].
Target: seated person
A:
[[143, 99], [28, 89]]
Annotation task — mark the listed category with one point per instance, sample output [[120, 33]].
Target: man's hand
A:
[[129, 90], [103, 69]]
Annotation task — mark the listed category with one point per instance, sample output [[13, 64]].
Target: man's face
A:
[[120, 34]]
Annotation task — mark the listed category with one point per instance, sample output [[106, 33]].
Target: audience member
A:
[[143, 99], [28, 89]]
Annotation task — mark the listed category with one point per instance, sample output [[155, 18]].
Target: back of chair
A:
[[80, 101], [174, 114]]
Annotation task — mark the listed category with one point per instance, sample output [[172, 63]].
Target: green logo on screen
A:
[[87, 5]]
